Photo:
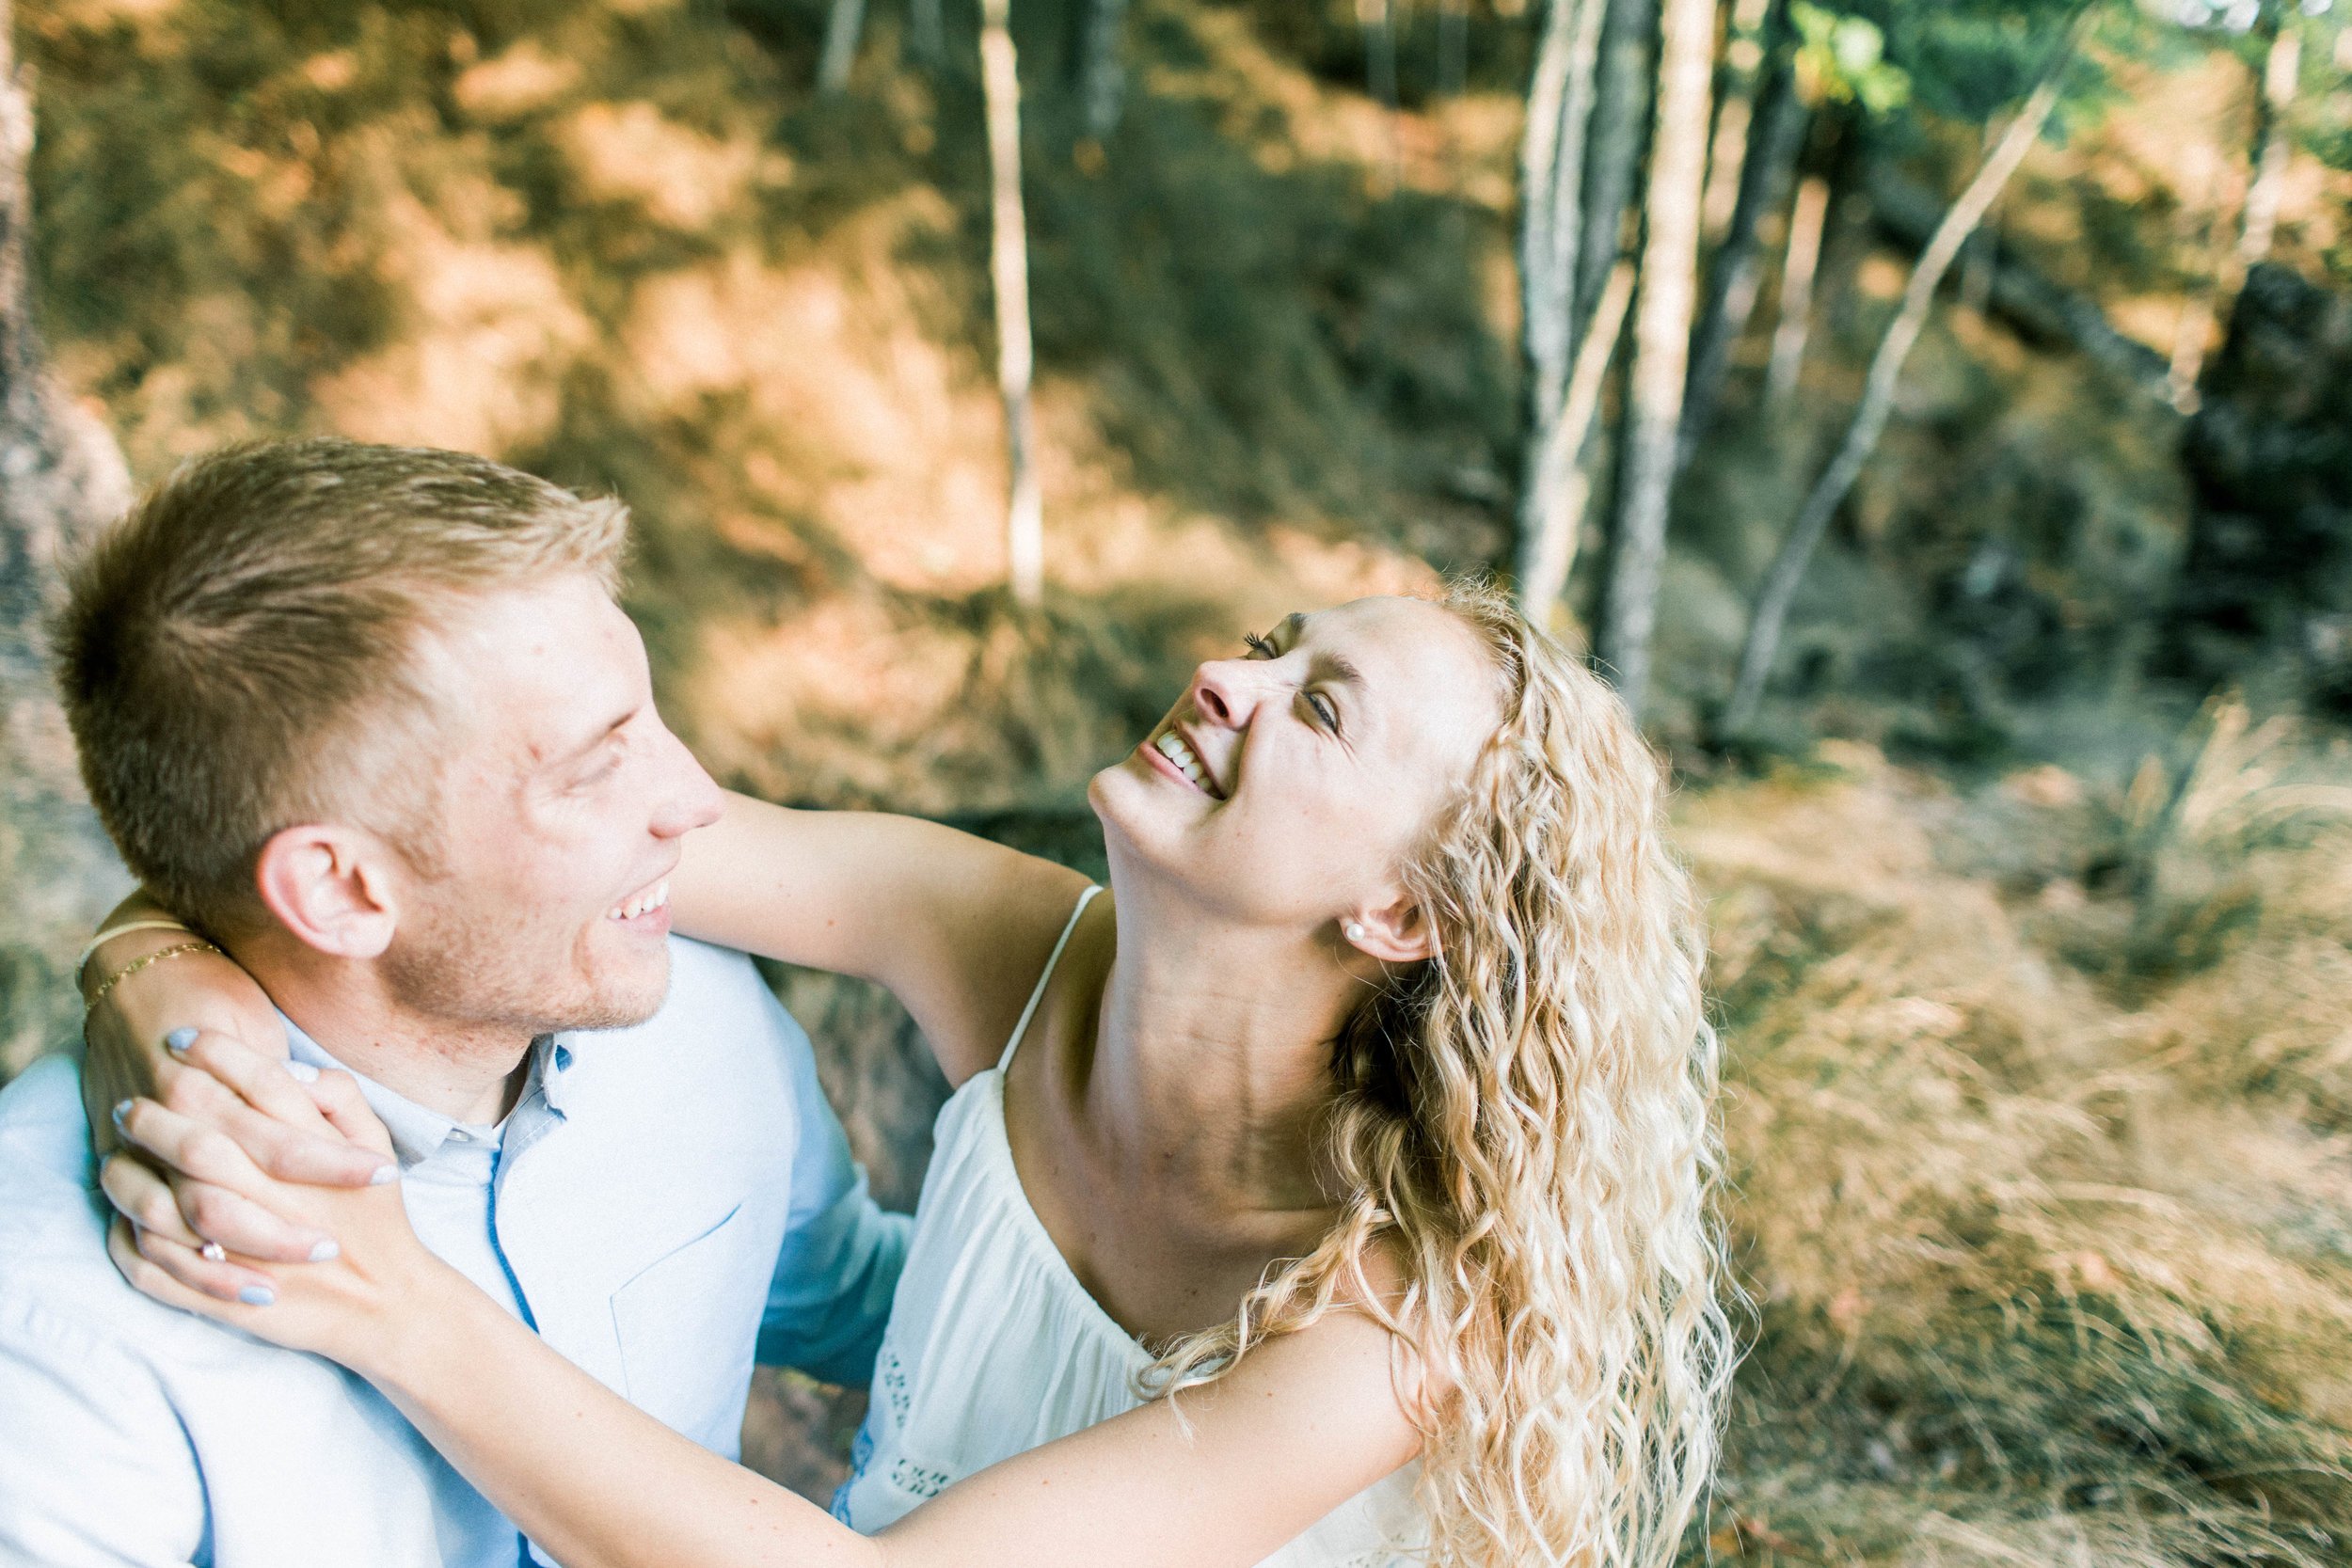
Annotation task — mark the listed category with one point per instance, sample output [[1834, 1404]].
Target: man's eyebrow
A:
[[596, 739]]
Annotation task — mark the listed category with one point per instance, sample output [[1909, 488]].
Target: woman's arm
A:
[[956, 926], [1224, 1478]]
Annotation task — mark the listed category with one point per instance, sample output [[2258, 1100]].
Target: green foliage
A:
[[1842, 59]]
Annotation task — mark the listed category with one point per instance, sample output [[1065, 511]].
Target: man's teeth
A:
[[1172, 747], [652, 898]]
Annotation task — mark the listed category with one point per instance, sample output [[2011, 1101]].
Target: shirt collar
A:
[[418, 1134]]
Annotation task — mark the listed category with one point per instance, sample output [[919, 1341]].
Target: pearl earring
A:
[[1354, 932]]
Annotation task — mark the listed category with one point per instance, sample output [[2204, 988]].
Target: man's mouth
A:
[[1187, 761], [643, 902]]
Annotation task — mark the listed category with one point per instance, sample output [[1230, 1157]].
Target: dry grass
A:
[[2048, 1267]]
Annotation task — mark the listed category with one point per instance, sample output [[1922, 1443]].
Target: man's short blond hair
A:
[[239, 653]]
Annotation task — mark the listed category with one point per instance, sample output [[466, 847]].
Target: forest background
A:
[[2025, 839]]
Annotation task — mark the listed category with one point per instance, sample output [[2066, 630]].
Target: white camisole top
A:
[[994, 1347]]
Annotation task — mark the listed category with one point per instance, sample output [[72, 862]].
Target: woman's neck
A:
[[1210, 1070]]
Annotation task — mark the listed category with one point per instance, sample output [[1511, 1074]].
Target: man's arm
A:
[[95, 1468]]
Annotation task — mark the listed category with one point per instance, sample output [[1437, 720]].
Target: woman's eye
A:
[[1259, 647], [1325, 708]]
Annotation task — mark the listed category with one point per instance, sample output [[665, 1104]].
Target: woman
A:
[[1367, 1125]]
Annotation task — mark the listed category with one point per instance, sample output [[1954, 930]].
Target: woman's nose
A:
[[1226, 692]]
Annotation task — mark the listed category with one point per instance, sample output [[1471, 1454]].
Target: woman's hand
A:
[[342, 1303], [142, 1038]]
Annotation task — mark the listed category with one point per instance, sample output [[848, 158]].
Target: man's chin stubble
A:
[[465, 980]]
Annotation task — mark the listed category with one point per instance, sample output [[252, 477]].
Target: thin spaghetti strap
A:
[[1030, 1011]]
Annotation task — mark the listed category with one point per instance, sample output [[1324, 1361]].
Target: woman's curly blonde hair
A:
[[1526, 1122]]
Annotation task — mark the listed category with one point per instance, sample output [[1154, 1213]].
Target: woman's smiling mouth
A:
[[1182, 757]]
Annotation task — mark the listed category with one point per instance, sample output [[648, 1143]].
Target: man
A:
[[368, 719]]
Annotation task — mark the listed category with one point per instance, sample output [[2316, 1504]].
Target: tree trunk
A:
[[1778, 128], [926, 31], [61, 478], [1009, 270], [1662, 342], [2038, 310], [1379, 50], [1104, 76], [1979, 257], [842, 28], [2200, 226], [2281, 69], [1745, 63], [1551, 169], [1878, 397], [1802, 259], [1453, 47], [1619, 124], [1544, 566]]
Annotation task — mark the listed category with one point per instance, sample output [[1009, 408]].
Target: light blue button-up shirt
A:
[[663, 1203]]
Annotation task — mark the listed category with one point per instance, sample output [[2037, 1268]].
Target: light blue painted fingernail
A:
[[385, 1176], [257, 1295], [302, 1072], [121, 1109], [324, 1251], [179, 1040]]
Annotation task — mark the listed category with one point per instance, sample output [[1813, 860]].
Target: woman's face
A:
[[1290, 783]]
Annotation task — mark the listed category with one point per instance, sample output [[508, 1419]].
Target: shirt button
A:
[[459, 1135]]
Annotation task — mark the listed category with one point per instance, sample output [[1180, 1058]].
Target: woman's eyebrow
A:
[[1335, 667], [1322, 665]]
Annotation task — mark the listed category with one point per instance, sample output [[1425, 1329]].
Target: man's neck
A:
[[471, 1072]]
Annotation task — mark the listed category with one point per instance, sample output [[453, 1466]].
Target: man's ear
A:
[[332, 887], [1396, 933]]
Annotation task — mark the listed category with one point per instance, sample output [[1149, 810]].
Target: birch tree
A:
[[1008, 271], [1453, 47], [926, 32], [1621, 101], [1878, 398], [1103, 70], [1662, 341], [1552, 177], [1544, 564], [1379, 26], [2281, 66], [1799, 262], [843, 25], [1767, 151]]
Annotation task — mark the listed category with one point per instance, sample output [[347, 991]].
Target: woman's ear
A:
[[332, 887], [1396, 933]]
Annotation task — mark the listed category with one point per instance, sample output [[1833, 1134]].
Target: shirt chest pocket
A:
[[687, 1324]]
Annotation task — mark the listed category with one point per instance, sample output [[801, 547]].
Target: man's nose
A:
[[690, 799]]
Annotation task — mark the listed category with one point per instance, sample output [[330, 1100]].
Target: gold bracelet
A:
[[199, 945], [122, 930]]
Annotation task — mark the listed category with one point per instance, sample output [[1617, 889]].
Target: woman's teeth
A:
[[1172, 747], [652, 898]]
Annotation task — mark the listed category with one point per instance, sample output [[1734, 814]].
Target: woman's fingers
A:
[[196, 1282], [190, 1146], [154, 1267], [194, 1212], [337, 1096], [271, 1085], [268, 1107], [146, 1199]]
